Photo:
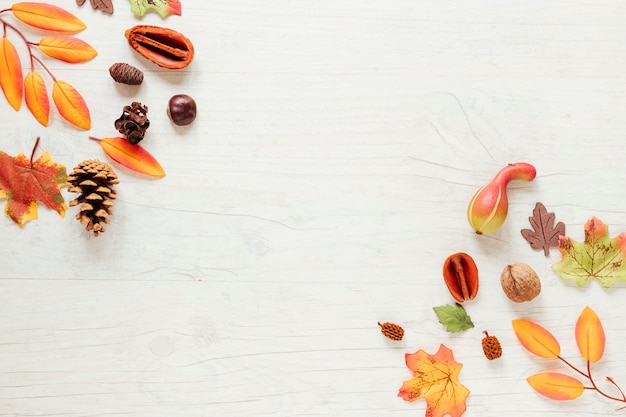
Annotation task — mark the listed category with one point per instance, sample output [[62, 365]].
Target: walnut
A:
[[520, 282]]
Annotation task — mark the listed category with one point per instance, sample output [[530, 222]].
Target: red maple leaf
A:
[[24, 183]]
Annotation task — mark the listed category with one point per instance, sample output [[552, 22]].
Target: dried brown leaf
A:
[[106, 6], [544, 233]]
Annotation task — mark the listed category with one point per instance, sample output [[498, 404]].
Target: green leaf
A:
[[454, 317], [162, 7], [597, 257]]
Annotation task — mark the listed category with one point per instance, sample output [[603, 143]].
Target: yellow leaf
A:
[[556, 386], [590, 335], [10, 73], [435, 379], [536, 339], [67, 48], [36, 97], [47, 16], [71, 105]]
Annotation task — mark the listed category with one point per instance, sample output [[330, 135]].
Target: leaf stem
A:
[[594, 386], [32, 154], [95, 139]]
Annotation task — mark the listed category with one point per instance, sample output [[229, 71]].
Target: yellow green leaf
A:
[[590, 335], [10, 73], [71, 105], [67, 48], [36, 97], [133, 157], [536, 339], [47, 16], [556, 386], [598, 257]]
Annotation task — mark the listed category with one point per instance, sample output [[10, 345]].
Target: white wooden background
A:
[[318, 192]]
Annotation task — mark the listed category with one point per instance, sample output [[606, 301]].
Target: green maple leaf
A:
[[454, 317], [162, 7], [598, 256]]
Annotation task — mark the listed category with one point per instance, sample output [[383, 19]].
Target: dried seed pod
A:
[[163, 46], [520, 282], [491, 347], [391, 330], [461, 276], [126, 73]]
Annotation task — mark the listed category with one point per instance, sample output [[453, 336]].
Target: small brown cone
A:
[[94, 181], [491, 347], [391, 330]]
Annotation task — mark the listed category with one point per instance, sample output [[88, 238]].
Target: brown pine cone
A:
[[491, 347], [391, 330], [133, 122], [94, 181]]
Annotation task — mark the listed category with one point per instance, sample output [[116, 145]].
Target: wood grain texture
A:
[[318, 192]]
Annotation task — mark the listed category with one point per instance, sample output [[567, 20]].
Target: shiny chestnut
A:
[[181, 109]]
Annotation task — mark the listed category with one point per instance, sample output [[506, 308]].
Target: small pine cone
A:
[[133, 122], [126, 73], [491, 347], [94, 181], [391, 330]]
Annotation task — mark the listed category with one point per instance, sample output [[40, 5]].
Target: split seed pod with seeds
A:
[[94, 181]]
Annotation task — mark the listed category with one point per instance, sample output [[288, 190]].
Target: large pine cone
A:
[[94, 181]]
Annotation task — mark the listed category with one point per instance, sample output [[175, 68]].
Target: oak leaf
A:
[[544, 233], [106, 6], [24, 182], [162, 7], [598, 256], [435, 379]]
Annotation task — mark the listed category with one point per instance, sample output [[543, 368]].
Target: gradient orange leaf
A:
[[67, 48], [590, 335], [47, 16], [133, 157], [71, 105], [435, 379], [36, 97], [24, 182], [536, 339], [10, 73], [556, 386]]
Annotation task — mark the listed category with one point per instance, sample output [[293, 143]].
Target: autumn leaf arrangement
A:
[[25, 182], [590, 339], [598, 257], [60, 44]]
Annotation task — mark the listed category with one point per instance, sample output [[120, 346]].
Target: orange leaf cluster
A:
[[435, 379], [590, 340], [32, 87]]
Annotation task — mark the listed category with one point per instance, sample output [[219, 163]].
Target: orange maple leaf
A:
[[24, 182], [435, 379]]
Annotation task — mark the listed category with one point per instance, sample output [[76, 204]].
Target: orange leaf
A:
[[67, 48], [23, 183], [556, 386], [71, 105], [590, 335], [132, 156], [47, 16], [36, 97], [536, 339], [10, 73], [435, 379]]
